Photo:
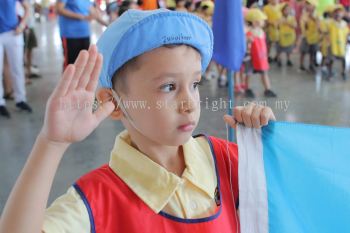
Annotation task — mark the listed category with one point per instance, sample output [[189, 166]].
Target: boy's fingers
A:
[[85, 76], [91, 86], [266, 115], [255, 117], [79, 64], [246, 115], [65, 81], [229, 120], [237, 113], [104, 111]]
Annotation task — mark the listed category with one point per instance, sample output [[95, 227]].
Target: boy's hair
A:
[[125, 5], [197, 5], [119, 77], [178, 1], [284, 7], [204, 8]]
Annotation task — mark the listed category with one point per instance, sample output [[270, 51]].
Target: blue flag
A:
[[294, 178], [229, 38]]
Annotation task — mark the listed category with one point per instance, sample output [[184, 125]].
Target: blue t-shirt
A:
[[74, 28], [8, 16]]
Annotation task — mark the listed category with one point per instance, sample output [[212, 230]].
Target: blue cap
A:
[[137, 32]]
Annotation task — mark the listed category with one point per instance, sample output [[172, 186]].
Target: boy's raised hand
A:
[[252, 115], [69, 117]]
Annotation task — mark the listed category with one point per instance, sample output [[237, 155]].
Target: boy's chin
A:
[[176, 140], [181, 139]]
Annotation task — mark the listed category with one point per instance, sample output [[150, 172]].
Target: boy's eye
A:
[[167, 87]]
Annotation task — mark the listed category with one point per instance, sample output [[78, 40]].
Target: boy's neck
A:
[[169, 157]]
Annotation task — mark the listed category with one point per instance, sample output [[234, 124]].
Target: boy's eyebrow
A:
[[174, 74]]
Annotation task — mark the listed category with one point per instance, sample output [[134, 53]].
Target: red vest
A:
[[258, 52], [113, 207]]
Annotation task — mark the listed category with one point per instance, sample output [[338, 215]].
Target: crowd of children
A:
[[280, 28], [323, 37], [277, 28]]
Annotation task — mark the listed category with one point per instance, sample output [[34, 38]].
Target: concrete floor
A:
[[309, 99]]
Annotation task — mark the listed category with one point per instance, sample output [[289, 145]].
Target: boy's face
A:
[[259, 23], [310, 8], [181, 4], [286, 11], [338, 14], [166, 82], [134, 6]]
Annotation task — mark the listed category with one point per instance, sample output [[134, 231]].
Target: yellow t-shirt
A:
[[338, 32], [310, 29], [171, 3], [287, 31], [188, 196], [325, 40], [273, 14]]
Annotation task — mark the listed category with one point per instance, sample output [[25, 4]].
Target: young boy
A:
[[338, 33], [310, 27], [180, 5], [287, 35], [273, 13], [325, 40], [159, 178], [257, 51]]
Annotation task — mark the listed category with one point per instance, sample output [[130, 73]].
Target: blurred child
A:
[[112, 11], [126, 5], [207, 11], [181, 5], [223, 79], [170, 4], [299, 11], [273, 13], [325, 40], [240, 82], [287, 35], [310, 27], [30, 42], [256, 47], [338, 33]]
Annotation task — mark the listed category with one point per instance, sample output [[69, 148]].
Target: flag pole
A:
[[231, 135]]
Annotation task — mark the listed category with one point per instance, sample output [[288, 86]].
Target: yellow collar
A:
[[152, 182]]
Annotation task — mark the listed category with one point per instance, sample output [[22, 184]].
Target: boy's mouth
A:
[[187, 127]]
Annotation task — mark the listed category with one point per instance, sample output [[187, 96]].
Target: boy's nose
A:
[[186, 107], [188, 103]]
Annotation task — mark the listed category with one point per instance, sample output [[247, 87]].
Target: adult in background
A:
[[74, 23], [11, 42]]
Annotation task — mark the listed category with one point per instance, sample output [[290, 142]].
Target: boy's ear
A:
[[104, 95]]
